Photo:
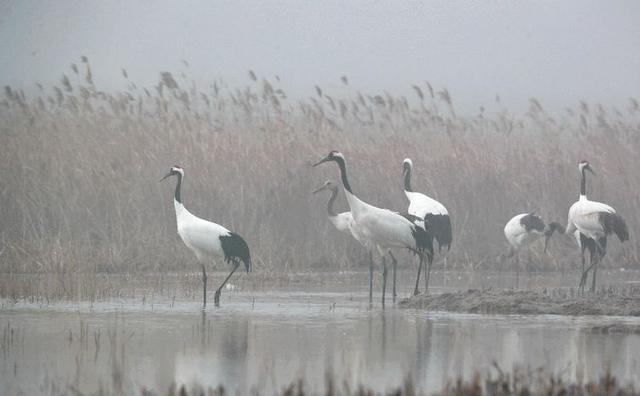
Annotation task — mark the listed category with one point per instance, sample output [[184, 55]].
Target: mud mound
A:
[[619, 302]]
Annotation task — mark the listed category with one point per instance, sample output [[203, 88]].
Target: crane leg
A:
[[416, 291], [394, 267], [216, 298], [427, 273], [204, 286], [517, 272], [583, 277], [370, 277], [595, 269], [384, 278], [592, 263], [444, 271]]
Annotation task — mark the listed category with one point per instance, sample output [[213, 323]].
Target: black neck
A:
[[407, 180], [343, 174], [583, 184], [334, 194], [178, 194]]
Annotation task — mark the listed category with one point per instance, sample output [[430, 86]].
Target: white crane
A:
[[594, 220], [525, 228], [207, 239], [344, 222], [379, 228], [433, 213]]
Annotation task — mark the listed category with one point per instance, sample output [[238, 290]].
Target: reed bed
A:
[[80, 170], [516, 382]]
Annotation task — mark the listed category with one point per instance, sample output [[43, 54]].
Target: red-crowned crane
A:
[[344, 222], [207, 239], [381, 229], [525, 228], [433, 213], [594, 220]]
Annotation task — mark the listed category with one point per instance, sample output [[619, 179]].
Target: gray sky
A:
[[557, 51]]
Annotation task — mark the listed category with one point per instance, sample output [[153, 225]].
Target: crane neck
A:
[[407, 180], [332, 198], [583, 184], [355, 204], [178, 193], [343, 174]]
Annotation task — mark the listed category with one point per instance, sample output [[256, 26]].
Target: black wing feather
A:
[[235, 248]]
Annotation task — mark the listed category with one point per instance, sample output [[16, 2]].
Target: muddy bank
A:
[[619, 302]]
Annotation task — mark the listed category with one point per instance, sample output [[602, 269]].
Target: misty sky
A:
[[557, 51]]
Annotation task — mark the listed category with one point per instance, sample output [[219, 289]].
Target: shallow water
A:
[[268, 340]]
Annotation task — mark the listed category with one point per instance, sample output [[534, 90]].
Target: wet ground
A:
[[265, 340], [611, 301]]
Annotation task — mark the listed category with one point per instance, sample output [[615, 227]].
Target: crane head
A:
[[328, 185], [407, 164], [332, 156], [175, 170], [583, 166]]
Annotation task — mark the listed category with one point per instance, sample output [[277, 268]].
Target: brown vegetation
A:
[[606, 301], [517, 382], [79, 187]]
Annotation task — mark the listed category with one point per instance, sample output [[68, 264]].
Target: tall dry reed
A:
[[79, 186]]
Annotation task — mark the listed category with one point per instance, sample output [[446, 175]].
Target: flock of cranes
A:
[[381, 230], [590, 223]]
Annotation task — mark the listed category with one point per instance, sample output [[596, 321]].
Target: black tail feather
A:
[[614, 224], [235, 248], [440, 227]]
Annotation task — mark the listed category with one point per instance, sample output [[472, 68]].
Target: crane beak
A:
[[318, 190], [165, 176], [325, 159]]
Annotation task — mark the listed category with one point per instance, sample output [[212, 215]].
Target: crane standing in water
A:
[[207, 239], [344, 222], [381, 229]]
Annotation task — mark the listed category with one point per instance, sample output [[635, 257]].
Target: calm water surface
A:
[[266, 341]]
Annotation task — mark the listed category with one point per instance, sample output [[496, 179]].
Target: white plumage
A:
[[344, 222], [207, 240], [341, 221], [585, 215], [201, 236], [378, 228], [420, 205], [383, 228]]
